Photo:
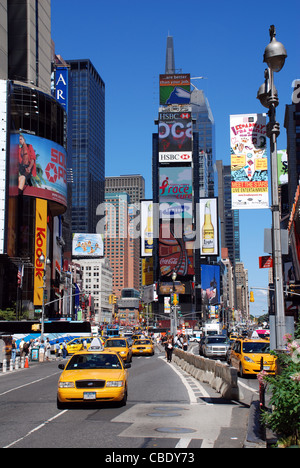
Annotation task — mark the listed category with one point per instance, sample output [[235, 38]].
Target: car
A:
[[137, 336], [91, 377], [76, 344], [215, 347], [250, 356], [121, 346], [143, 346]]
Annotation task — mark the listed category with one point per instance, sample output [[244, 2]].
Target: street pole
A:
[[272, 133], [275, 55]]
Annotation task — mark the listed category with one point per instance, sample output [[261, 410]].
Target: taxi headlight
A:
[[122, 352], [115, 383], [66, 385], [247, 359]]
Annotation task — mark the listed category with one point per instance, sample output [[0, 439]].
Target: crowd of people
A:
[[169, 343], [25, 349]]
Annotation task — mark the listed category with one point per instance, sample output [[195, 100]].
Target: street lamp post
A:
[[174, 307], [46, 261], [274, 56]]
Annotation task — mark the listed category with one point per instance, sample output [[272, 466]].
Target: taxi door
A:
[[235, 354]]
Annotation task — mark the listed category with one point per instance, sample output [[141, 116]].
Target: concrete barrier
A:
[[218, 375]]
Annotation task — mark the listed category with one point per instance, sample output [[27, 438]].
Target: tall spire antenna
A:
[[170, 60]]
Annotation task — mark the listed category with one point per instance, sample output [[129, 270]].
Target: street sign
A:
[[265, 262]]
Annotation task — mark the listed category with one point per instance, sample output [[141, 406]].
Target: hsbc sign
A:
[[177, 157]]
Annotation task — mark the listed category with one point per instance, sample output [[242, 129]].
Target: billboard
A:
[[175, 89], [175, 184], [146, 228], [87, 245], [41, 168], [40, 247], [283, 173], [208, 227], [175, 134], [61, 86], [176, 253], [210, 284], [249, 163]]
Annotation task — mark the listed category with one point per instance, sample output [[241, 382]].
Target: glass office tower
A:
[[88, 145]]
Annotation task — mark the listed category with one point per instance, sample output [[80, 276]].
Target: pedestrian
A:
[[170, 347], [57, 349], [47, 349], [13, 351], [26, 349], [84, 344], [185, 344], [64, 350], [21, 345]]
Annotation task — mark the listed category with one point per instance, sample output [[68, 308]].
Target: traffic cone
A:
[[26, 363]]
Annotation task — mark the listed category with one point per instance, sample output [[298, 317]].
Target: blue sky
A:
[[221, 41]]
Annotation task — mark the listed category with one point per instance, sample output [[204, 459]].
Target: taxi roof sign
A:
[[96, 345]]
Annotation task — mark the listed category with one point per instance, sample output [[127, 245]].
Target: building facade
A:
[[88, 144], [97, 281]]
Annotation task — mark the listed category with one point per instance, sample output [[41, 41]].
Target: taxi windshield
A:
[[94, 361], [139, 342], [115, 344], [256, 347]]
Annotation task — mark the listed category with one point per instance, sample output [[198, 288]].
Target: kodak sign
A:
[[40, 247]]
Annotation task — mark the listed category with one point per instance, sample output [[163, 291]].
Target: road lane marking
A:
[[36, 429], [30, 383]]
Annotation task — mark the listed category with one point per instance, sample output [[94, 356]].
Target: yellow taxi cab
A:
[[250, 356], [137, 336], [76, 344], [121, 346], [233, 336], [96, 375], [143, 346]]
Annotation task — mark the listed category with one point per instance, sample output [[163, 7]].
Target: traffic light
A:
[[114, 299], [251, 296], [175, 299]]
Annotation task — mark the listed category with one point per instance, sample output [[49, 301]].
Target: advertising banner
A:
[[210, 284], [146, 228], [283, 173], [175, 184], [40, 247], [87, 245], [42, 168], [208, 227], [175, 89], [61, 86], [249, 163], [176, 253], [175, 133]]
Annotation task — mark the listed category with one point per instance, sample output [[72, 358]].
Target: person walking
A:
[[185, 344], [13, 351], [169, 348], [47, 349], [64, 350]]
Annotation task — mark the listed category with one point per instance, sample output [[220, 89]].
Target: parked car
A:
[[215, 347]]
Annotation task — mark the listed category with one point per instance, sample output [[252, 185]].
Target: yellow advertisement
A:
[[40, 247]]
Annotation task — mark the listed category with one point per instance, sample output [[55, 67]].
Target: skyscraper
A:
[[229, 219], [134, 186], [88, 152], [204, 126], [21, 59]]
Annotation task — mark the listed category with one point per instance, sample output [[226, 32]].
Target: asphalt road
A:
[[166, 409]]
